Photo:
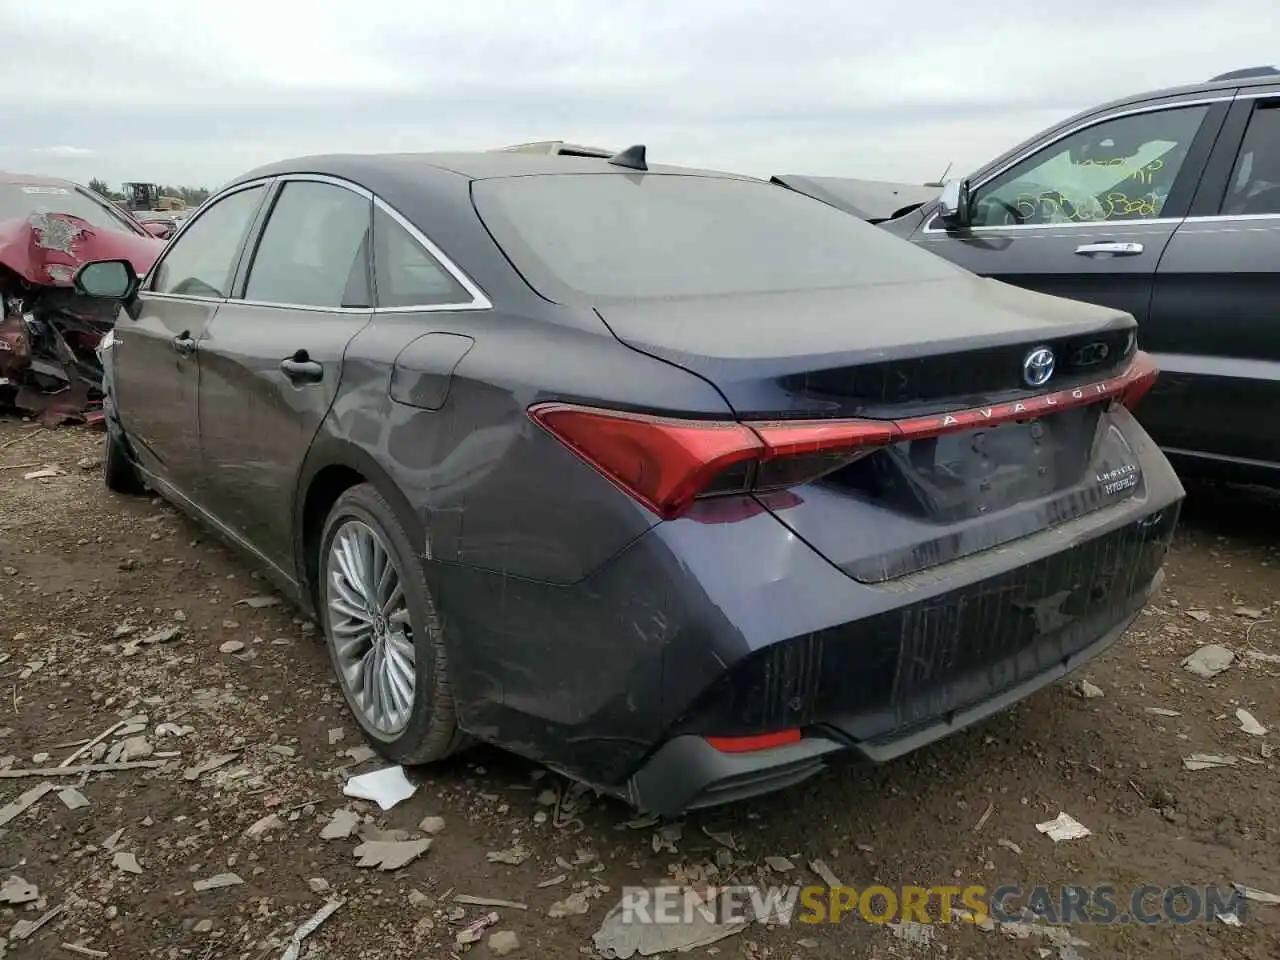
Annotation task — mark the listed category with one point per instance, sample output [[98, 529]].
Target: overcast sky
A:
[[194, 94]]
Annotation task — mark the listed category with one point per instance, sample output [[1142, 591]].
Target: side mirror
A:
[[953, 205], [106, 279]]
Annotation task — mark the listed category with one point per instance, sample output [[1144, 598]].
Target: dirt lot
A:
[[85, 576]]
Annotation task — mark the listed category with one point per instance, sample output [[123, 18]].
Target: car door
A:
[[271, 359], [1215, 314], [1087, 214], [155, 363]]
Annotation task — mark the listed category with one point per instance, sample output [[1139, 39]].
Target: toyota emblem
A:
[[1037, 368]]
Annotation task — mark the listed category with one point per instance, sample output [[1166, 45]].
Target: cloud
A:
[[65, 151], [197, 93]]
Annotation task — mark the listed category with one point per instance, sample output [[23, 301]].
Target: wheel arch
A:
[[333, 466]]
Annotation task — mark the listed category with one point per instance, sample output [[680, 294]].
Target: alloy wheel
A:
[[369, 628]]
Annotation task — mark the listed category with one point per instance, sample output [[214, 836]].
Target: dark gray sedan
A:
[[674, 480]]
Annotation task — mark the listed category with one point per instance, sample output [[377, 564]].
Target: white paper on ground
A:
[[1063, 827], [385, 787]]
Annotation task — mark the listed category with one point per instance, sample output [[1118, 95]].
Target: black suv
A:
[[1165, 205]]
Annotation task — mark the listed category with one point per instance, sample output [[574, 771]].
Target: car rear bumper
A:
[[733, 626], [688, 773]]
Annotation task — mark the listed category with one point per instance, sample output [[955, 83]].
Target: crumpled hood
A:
[[45, 249]]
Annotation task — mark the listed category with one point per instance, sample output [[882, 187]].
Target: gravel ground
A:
[[119, 613]]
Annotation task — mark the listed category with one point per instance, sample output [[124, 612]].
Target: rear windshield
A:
[[616, 236]]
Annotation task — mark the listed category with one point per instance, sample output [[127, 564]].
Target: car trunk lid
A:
[[987, 454]]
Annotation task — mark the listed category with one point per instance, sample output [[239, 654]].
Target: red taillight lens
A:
[[666, 463], [1139, 377], [663, 463]]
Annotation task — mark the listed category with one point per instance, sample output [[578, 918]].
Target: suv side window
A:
[[406, 274], [314, 251], [1116, 170], [1255, 182], [201, 262]]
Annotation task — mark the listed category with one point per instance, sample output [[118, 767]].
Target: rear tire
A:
[[371, 664], [118, 471]]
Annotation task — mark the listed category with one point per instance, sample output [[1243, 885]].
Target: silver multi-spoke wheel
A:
[[373, 643]]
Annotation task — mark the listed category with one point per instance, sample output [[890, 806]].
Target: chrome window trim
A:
[[479, 300], [929, 227], [150, 275], [1235, 217]]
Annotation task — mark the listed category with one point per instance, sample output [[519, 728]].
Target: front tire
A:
[[383, 631]]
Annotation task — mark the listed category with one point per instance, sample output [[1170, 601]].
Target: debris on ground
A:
[[1249, 724], [488, 902], [385, 787], [208, 766], [431, 825], [15, 891], [24, 802], [390, 854], [1163, 712], [825, 874], [576, 904], [1063, 827], [474, 931], [1209, 661], [308, 927], [126, 863], [1207, 761], [257, 603], [1256, 895], [512, 856], [622, 936], [912, 931], [779, 864], [341, 825], [167, 635], [502, 942], [1200, 616], [217, 882], [1088, 691], [72, 798]]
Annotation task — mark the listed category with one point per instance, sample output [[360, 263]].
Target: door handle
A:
[[184, 344], [1110, 249], [300, 368]]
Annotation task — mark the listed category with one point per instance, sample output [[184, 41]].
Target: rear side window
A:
[[406, 274], [1255, 182], [201, 261], [620, 236], [314, 250]]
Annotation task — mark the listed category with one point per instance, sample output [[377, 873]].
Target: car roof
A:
[[473, 165], [1224, 83]]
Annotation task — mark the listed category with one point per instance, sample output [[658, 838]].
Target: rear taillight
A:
[[1140, 376], [666, 463]]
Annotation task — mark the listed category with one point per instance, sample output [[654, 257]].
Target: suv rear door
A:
[[1213, 324], [1086, 211]]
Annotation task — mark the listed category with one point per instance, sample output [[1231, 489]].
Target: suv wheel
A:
[[383, 631]]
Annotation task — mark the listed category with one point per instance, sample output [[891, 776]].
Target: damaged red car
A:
[[49, 334]]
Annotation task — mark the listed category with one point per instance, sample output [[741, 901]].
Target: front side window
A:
[[1255, 182], [1117, 170], [314, 250], [202, 261]]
